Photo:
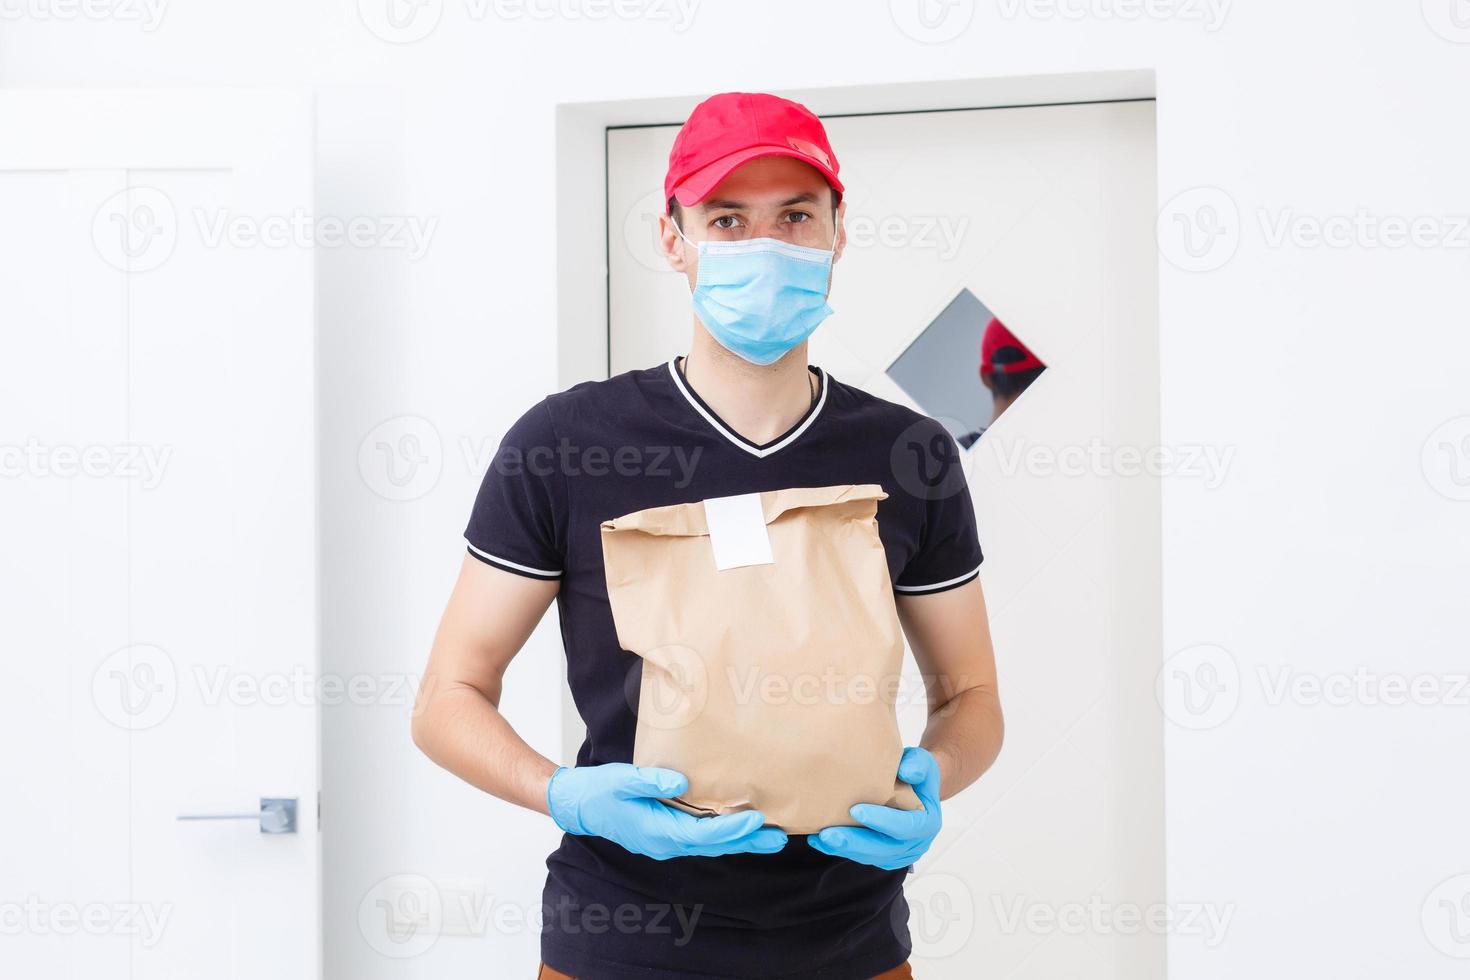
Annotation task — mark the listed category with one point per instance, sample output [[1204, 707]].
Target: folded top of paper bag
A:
[[683, 520]]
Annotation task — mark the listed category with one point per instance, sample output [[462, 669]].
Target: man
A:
[[638, 888], [1007, 368]]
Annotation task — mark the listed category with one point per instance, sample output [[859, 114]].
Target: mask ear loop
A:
[[680, 232]]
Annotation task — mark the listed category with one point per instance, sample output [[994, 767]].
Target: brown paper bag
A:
[[772, 685]]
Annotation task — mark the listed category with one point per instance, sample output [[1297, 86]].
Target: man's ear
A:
[[841, 230], [671, 244]]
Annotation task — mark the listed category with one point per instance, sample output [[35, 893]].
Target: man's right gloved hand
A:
[[620, 802]]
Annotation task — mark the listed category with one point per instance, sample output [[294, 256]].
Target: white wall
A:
[[1330, 546]]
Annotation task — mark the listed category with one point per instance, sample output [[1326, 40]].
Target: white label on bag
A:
[[737, 531]]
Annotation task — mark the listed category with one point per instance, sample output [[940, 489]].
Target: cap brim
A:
[[696, 186]]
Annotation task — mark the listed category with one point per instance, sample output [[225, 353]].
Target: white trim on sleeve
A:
[[516, 566], [938, 585]]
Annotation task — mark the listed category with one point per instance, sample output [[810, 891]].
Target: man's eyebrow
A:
[[724, 204]]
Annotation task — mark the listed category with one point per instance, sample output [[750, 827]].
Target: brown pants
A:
[[900, 972]]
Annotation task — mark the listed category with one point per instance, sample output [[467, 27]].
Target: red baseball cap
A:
[[997, 336], [726, 130]]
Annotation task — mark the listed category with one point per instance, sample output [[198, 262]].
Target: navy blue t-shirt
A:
[[603, 449]]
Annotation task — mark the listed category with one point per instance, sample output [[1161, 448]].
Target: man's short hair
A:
[[1009, 384]]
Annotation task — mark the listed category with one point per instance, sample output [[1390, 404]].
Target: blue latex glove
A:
[[620, 802], [890, 838]]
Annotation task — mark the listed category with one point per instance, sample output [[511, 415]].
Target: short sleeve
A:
[[518, 523], [949, 553]]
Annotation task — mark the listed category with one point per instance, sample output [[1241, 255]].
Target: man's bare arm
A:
[[457, 721], [950, 635]]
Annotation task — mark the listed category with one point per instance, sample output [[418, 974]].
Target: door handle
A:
[[276, 815]]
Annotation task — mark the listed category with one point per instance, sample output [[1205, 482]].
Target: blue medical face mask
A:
[[762, 296]]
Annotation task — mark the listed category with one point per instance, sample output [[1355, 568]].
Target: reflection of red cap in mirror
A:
[[726, 130], [998, 337]]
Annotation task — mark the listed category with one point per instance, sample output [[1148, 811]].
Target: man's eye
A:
[[797, 217], [725, 222]]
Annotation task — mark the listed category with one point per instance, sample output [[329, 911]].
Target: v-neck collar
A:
[[724, 429]]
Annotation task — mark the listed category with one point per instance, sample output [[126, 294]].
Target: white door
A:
[[1044, 217], [158, 574]]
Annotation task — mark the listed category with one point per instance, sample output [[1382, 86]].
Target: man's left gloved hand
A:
[[890, 838]]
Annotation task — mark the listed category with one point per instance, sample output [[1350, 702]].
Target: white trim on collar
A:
[[720, 427]]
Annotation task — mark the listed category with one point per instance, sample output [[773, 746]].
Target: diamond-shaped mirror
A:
[[965, 368]]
